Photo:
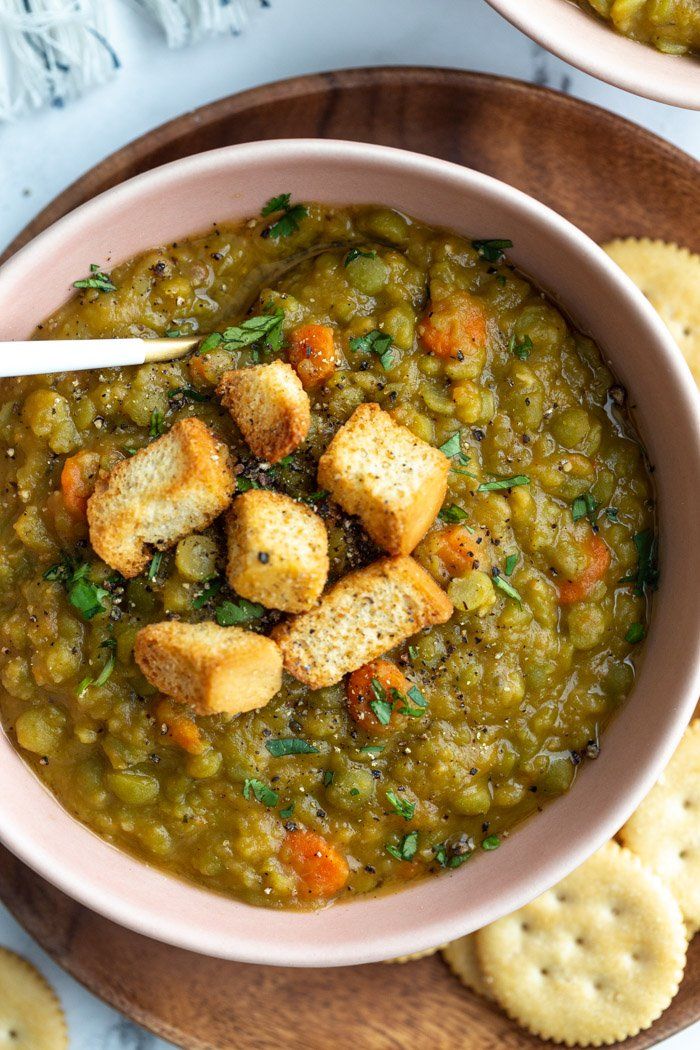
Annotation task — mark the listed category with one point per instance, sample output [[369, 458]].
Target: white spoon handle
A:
[[38, 357]]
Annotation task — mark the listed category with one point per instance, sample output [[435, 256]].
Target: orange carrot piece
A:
[[454, 327], [181, 729], [321, 869], [598, 563], [312, 354], [78, 481], [457, 550], [361, 692]]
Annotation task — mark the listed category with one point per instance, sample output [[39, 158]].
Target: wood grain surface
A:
[[609, 177]]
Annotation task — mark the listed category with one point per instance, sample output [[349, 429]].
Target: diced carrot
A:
[[312, 354], [454, 327], [321, 869], [457, 550], [78, 481], [598, 563], [181, 729], [372, 682]]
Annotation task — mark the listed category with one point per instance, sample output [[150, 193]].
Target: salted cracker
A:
[[594, 960], [669, 276], [664, 832], [415, 955], [31, 1017], [461, 957]]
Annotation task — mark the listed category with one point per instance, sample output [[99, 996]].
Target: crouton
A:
[[270, 406], [175, 486], [211, 668], [277, 551], [362, 617], [393, 481]]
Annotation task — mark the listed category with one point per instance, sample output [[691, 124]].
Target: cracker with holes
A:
[[414, 956], [669, 276], [462, 959], [31, 1017], [595, 959], [665, 831]]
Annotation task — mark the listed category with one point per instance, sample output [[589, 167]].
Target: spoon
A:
[[38, 357]]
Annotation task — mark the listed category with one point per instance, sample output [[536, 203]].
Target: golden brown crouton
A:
[[363, 616], [211, 668], [175, 486], [393, 481], [277, 551], [270, 406]]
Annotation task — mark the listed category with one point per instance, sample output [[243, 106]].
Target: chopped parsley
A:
[[491, 842], [157, 425], [244, 484], [511, 562], [289, 220], [492, 250], [375, 342], [265, 327], [382, 710], [287, 811], [372, 749], [611, 514], [520, 349], [154, 567], [447, 858], [635, 633], [84, 595], [584, 507], [504, 483], [402, 806], [647, 575], [111, 645], [210, 343], [314, 497], [453, 513], [503, 585], [452, 448], [289, 745], [328, 777], [412, 652], [406, 849], [97, 279], [358, 253], [187, 393], [229, 613], [210, 590], [261, 791]]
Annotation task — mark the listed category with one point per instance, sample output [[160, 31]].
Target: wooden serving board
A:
[[609, 177]]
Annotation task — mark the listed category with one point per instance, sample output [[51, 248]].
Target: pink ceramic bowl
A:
[[592, 45], [186, 197]]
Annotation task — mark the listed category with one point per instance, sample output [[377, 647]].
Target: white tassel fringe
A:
[[187, 21]]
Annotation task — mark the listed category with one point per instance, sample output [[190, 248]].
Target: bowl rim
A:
[[424, 929], [586, 42]]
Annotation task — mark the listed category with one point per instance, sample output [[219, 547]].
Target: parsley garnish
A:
[[452, 448], [358, 253], [412, 652], [328, 777], [511, 562], [584, 507], [372, 749], [267, 327], [289, 745], [261, 791], [492, 250], [288, 223], [491, 842], [503, 585], [210, 590], [418, 699], [406, 849], [382, 711], [446, 858], [611, 514], [244, 484], [154, 567], [97, 279], [84, 595], [314, 497], [287, 811], [453, 513], [157, 425], [111, 645], [229, 613], [404, 808], [375, 342], [187, 393], [647, 574], [504, 483], [210, 343], [635, 633], [520, 349]]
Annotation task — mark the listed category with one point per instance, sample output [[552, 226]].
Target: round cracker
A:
[[411, 958], [461, 957], [595, 959], [669, 276], [665, 831], [31, 1017]]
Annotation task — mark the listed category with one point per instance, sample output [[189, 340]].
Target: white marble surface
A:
[[42, 154]]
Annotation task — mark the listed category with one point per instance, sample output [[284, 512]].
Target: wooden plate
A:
[[611, 178]]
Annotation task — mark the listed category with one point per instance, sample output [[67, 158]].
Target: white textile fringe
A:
[[51, 51]]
